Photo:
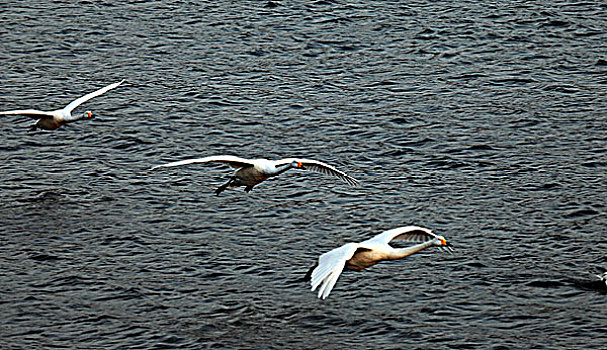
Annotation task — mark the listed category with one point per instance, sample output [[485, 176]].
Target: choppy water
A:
[[486, 123]]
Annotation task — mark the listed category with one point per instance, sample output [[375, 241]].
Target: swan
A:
[[55, 119], [252, 172], [358, 256]]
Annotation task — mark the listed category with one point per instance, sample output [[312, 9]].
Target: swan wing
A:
[[234, 162], [320, 167], [77, 102], [330, 267], [414, 234], [31, 113]]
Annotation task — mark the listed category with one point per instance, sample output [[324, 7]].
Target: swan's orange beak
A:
[[89, 114], [299, 165], [443, 241]]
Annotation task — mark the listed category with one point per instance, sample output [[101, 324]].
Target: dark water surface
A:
[[486, 123]]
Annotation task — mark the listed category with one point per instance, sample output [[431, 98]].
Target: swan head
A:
[[297, 165], [88, 115], [443, 243]]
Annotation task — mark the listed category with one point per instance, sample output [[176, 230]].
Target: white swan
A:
[[358, 256], [55, 119], [252, 172]]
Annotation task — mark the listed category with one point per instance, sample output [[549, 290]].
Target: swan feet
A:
[[224, 186]]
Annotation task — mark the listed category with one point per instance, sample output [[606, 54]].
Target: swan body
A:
[[55, 119], [358, 256], [251, 172]]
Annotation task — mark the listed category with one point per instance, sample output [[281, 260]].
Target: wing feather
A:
[[327, 287], [31, 113], [77, 102], [235, 162], [323, 168], [413, 234], [330, 267]]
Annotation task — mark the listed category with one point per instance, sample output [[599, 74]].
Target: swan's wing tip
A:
[[353, 182], [330, 266]]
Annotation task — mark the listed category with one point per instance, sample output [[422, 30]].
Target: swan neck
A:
[[71, 117], [404, 252], [281, 169]]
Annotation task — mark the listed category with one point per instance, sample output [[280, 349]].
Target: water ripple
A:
[[484, 122]]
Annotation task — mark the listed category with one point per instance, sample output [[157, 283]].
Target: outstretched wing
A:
[[330, 266], [320, 167], [414, 234], [234, 162], [31, 113], [77, 102]]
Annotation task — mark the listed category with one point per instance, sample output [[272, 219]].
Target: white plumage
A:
[[55, 119], [251, 172], [358, 256]]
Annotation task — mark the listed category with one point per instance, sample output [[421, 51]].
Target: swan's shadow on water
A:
[[597, 285], [588, 285]]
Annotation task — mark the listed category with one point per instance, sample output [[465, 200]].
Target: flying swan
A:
[[55, 119], [252, 172], [358, 256]]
